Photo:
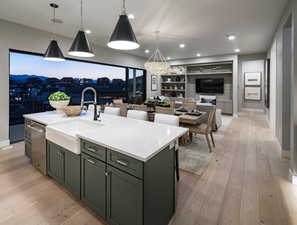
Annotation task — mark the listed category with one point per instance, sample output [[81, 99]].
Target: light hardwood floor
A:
[[245, 184]]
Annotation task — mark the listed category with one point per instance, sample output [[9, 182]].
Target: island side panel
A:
[[159, 188]]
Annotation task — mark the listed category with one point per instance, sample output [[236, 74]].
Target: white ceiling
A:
[[201, 24]]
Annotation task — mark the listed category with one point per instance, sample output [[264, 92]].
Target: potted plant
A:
[[59, 100]]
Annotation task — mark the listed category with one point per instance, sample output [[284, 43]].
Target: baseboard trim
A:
[[4, 144], [286, 154]]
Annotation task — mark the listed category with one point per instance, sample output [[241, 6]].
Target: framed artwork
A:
[[252, 79], [252, 93], [154, 83]]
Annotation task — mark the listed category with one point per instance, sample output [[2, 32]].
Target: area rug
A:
[[195, 157]]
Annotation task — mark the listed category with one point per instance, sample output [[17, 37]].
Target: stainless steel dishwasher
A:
[[38, 146]]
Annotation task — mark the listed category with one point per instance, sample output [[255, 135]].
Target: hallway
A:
[[245, 184]]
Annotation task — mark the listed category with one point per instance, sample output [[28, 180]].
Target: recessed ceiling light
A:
[[231, 37], [131, 16], [147, 51], [182, 45], [198, 54], [88, 31], [168, 58], [237, 50]]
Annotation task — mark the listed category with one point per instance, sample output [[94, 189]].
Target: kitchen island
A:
[[121, 168]]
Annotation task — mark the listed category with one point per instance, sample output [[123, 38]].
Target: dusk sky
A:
[[35, 65]]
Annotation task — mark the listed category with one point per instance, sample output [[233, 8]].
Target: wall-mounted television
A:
[[210, 85]]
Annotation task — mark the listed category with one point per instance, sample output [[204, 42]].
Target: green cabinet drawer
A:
[[93, 150], [125, 163], [93, 184]]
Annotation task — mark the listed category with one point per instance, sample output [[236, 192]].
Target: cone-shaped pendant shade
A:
[[53, 52], [123, 37], [81, 46]]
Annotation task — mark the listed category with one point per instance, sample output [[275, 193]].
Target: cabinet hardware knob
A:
[[106, 174]]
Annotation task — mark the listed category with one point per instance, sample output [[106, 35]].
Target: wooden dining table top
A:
[[186, 119]]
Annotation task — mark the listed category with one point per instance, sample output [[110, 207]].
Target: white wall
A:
[[15, 36], [277, 111], [251, 63]]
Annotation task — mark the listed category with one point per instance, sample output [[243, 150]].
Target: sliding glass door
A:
[[136, 82]]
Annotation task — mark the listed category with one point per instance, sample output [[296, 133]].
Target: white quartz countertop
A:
[[139, 139]]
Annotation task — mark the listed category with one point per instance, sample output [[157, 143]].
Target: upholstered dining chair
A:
[[123, 108], [190, 104], [164, 110], [139, 107], [205, 129], [137, 114], [112, 111], [173, 121]]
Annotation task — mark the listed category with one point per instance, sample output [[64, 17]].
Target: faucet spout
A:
[[83, 102]]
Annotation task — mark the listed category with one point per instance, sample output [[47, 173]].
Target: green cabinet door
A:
[[124, 198], [72, 173], [56, 162], [93, 184]]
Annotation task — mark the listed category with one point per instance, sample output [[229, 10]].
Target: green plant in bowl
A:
[[59, 100], [58, 96]]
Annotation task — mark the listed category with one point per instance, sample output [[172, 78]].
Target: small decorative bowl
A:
[[59, 105], [73, 110]]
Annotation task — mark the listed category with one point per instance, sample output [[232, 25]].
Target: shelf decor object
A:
[[252, 79], [154, 80], [123, 37], [53, 52], [157, 64], [252, 93], [81, 46]]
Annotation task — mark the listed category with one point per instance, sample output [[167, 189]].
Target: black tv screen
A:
[[210, 85]]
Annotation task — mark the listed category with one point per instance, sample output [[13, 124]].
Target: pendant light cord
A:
[[124, 8], [81, 15], [54, 22]]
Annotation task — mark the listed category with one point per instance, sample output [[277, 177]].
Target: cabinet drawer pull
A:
[[91, 161], [123, 163], [91, 149]]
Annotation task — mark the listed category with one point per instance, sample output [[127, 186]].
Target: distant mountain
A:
[[26, 76]]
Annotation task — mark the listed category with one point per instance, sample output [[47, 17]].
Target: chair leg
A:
[[177, 165], [208, 142], [214, 145]]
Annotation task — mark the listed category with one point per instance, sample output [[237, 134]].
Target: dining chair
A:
[[172, 121], [190, 105], [137, 114], [112, 111], [123, 108], [164, 110], [205, 129], [139, 107], [117, 101]]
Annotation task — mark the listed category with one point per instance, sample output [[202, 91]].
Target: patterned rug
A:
[[195, 157]]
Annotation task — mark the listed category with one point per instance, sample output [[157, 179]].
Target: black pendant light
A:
[[81, 46], [123, 37], [53, 52]]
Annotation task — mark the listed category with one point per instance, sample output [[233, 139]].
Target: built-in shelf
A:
[[209, 73], [178, 90], [170, 75], [173, 82]]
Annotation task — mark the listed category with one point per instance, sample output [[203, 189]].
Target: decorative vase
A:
[[59, 105]]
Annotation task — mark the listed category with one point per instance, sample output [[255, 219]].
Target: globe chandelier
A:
[[157, 64]]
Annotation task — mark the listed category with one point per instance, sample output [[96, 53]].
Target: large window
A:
[[33, 79]]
